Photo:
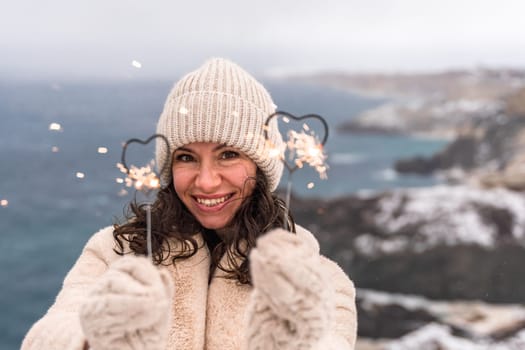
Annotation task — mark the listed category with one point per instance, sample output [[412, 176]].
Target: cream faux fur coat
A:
[[205, 316]]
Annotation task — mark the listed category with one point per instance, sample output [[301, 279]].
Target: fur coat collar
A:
[[210, 316]]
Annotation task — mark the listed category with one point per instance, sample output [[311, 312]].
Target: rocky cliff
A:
[[481, 112], [445, 242], [442, 257]]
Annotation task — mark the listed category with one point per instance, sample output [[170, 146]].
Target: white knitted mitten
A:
[[292, 304], [129, 307]]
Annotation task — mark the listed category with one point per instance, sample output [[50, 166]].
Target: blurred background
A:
[[423, 206]]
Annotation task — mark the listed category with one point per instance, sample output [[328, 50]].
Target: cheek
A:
[[248, 171], [248, 189], [248, 179], [181, 180]]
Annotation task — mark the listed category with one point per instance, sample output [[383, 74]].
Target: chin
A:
[[214, 225]]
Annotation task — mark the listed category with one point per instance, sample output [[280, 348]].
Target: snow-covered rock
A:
[[444, 242], [440, 337], [444, 215], [431, 324]]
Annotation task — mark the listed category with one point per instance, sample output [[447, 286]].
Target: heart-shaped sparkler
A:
[[144, 178], [303, 147]]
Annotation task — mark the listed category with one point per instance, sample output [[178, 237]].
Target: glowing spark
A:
[[286, 119], [4, 203], [274, 153], [310, 185], [143, 178], [154, 183], [102, 150], [54, 149], [307, 149], [80, 175], [306, 127], [119, 180], [136, 64], [55, 127]]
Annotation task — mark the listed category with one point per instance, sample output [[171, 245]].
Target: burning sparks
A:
[[4, 203], [274, 152], [55, 127], [303, 149], [307, 149], [143, 178], [300, 148], [136, 64], [102, 150], [80, 175], [54, 149]]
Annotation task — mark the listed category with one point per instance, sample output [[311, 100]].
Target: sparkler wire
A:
[[291, 116], [146, 188], [290, 168]]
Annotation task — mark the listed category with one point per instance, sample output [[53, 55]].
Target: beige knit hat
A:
[[220, 102]]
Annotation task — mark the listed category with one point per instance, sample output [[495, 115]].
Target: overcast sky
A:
[[100, 38]]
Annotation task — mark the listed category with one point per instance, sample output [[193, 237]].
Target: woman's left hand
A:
[[292, 303]]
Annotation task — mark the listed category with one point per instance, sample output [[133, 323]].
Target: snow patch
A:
[[443, 215]]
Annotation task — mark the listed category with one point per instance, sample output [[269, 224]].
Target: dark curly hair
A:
[[259, 213]]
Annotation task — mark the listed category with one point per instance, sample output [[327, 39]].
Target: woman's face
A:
[[212, 180]]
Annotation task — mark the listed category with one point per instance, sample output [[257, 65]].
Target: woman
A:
[[225, 273]]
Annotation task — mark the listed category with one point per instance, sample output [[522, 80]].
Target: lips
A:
[[212, 202]]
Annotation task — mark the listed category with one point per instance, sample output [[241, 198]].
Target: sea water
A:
[[50, 210]]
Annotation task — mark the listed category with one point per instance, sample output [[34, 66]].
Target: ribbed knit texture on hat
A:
[[220, 102]]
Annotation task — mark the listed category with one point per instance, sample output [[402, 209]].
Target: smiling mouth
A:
[[211, 202]]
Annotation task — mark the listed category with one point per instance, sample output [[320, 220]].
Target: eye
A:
[[229, 154], [184, 158]]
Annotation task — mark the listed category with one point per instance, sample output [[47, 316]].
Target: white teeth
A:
[[212, 202]]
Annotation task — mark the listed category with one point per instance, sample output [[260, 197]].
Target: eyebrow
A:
[[185, 149]]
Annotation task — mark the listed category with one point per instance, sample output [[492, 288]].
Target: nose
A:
[[208, 178]]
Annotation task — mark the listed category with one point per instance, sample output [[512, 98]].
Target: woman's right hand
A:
[[129, 307]]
